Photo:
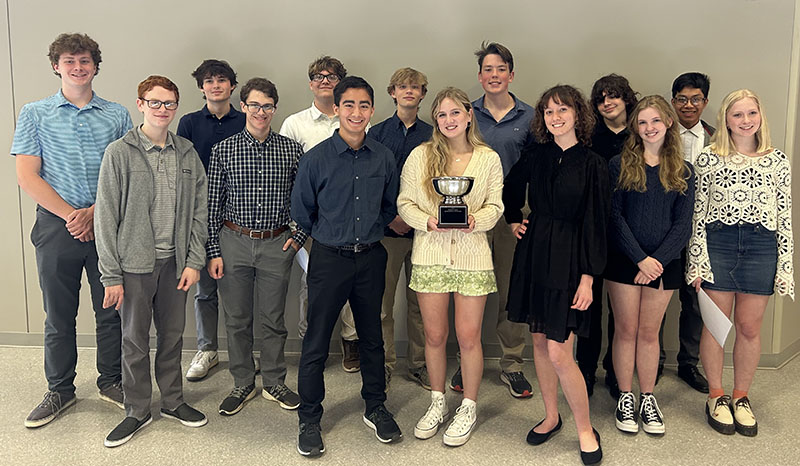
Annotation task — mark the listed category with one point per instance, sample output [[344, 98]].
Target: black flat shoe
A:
[[593, 457], [535, 438]]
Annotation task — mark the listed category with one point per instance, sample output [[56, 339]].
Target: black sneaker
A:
[[309, 439], [652, 419], [518, 385], [626, 413], [50, 407], [113, 394], [187, 415], [382, 422], [456, 384], [125, 430], [236, 399], [281, 394]]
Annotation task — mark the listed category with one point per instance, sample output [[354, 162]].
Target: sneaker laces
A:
[[650, 409], [463, 418], [724, 400], [514, 376], [278, 391], [626, 405], [199, 356], [744, 403], [240, 392], [437, 404], [51, 400], [311, 428]]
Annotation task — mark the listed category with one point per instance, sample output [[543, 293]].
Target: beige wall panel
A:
[[567, 42], [12, 285]]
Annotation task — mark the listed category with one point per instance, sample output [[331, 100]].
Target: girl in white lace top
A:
[[741, 246]]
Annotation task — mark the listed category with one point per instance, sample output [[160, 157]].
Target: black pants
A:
[[335, 277], [588, 350], [690, 325]]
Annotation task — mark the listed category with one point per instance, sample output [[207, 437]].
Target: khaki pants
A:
[[399, 255]]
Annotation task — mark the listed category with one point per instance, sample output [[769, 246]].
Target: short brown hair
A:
[[157, 81], [326, 63], [573, 98], [263, 85], [408, 75], [493, 48], [74, 43]]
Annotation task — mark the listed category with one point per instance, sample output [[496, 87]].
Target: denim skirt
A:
[[744, 258]]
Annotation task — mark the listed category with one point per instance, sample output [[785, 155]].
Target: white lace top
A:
[[748, 189]]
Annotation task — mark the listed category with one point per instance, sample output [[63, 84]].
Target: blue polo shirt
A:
[[509, 135], [343, 196], [204, 129], [71, 142], [393, 134]]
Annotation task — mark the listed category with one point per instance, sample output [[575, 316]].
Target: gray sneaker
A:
[[50, 407], [420, 375], [113, 394], [281, 394]]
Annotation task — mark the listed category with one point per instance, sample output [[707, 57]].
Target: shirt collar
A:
[[255, 142], [95, 102], [341, 146], [697, 129], [478, 104], [148, 144], [398, 123], [207, 113], [316, 114]]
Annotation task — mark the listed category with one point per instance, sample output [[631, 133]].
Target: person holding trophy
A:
[[562, 248], [451, 194]]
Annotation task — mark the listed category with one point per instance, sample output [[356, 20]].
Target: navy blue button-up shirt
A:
[[343, 196], [509, 135], [204, 129], [393, 134]]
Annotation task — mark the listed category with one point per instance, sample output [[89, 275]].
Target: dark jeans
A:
[[60, 260], [335, 277], [588, 350]]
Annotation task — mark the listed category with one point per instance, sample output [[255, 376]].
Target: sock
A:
[[468, 402], [436, 395], [715, 392], [739, 394]]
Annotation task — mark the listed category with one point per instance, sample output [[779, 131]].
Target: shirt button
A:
[[453, 241], [357, 197], [356, 176], [357, 238], [358, 219], [259, 172]]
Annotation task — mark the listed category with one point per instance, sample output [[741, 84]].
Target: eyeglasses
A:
[[695, 100], [254, 107], [319, 77], [155, 104]]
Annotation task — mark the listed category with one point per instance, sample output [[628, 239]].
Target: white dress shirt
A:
[[692, 139]]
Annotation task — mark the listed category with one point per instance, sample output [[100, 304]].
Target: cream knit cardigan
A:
[[453, 248]]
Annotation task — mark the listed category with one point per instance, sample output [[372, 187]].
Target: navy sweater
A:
[[653, 223]]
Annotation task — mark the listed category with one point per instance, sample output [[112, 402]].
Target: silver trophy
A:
[[452, 210]]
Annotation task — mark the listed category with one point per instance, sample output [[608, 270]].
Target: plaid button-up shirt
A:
[[250, 184]]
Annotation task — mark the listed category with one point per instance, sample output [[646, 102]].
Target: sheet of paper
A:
[[302, 259], [714, 319]]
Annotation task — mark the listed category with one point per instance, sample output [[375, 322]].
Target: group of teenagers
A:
[[573, 193]]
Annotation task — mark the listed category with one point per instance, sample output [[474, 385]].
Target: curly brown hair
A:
[[573, 98], [73, 44]]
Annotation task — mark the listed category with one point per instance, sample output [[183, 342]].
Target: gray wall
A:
[[739, 43]]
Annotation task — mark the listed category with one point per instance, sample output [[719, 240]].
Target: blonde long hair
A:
[[438, 147], [672, 170], [721, 142]]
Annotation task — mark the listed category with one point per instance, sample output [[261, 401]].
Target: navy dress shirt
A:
[[393, 134], [509, 135], [343, 196], [204, 129]]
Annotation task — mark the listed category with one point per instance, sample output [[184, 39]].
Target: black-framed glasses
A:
[[155, 104], [253, 107], [695, 100], [319, 77]]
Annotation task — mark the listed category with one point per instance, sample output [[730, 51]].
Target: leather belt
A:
[[354, 248], [255, 234]]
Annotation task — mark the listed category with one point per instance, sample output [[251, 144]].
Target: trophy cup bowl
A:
[[453, 212]]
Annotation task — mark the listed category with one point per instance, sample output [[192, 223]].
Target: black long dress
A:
[[569, 197]]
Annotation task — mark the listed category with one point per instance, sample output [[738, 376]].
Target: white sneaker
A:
[[202, 362], [436, 415], [460, 430]]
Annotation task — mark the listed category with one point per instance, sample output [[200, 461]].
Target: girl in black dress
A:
[[562, 246]]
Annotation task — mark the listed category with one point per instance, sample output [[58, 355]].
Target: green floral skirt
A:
[[441, 279]]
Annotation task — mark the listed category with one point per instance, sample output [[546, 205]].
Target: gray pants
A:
[[206, 312], [60, 260], [255, 279], [152, 297]]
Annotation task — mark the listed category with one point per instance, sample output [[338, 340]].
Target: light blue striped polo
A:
[[71, 142]]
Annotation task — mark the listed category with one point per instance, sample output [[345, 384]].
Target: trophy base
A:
[[453, 216]]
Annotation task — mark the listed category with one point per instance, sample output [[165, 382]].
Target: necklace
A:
[[458, 160]]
